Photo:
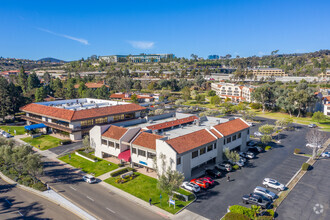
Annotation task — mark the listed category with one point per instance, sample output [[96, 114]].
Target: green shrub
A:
[[64, 142], [241, 210], [297, 151], [268, 148], [235, 167], [271, 212], [235, 216], [305, 166], [179, 197], [39, 186], [309, 114], [119, 172], [264, 218], [255, 105], [88, 155]]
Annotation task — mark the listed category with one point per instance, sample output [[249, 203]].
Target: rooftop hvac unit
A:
[[218, 121]]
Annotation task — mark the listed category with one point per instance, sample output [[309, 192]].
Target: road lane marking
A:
[[111, 210], [20, 213], [90, 198], [8, 202], [73, 188]]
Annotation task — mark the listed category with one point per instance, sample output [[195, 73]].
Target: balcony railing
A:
[[49, 124]]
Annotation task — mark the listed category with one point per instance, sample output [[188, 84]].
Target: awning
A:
[[125, 155], [35, 126]]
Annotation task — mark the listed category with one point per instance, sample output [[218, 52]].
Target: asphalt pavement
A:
[[279, 163], [310, 198], [63, 149], [20, 204], [93, 198]]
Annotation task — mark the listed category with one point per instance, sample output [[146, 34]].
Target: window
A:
[[209, 148], [239, 135], [117, 145], [105, 142], [133, 150], [118, 117], [234, 137], [248, 132], [151, 155], [87, 123], [101, 120], [202, 151], [224, 141], [178, 161], [228, 140], [141, 153], [215, 145], [194, 154], [111, 144]]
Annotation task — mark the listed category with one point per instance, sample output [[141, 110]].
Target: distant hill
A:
[[52, 60]]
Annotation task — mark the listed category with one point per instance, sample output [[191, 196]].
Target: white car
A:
[[312, 145], [257, 134], [6, 135], [325, 154], [268, 182], [89, 179], [191, 186], [264, 192], [248, 154]]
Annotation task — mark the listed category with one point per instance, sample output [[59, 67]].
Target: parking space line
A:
[[20, 213], [90, 198], [110, 210], [73, 188]]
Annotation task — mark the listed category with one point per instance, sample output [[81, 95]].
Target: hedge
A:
[[119, 172], [87, 155], [305, 166], [64, 142], [268, 148], [247, 212], [235, 216], [235, 167]]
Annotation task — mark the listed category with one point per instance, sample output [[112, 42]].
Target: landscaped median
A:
[[145, 187], [97, 168], [44, 142]]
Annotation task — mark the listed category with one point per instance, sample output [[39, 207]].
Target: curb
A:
[[28, 189]]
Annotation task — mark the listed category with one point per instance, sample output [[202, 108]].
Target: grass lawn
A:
[[145, 187], [19, 129], [98, 168], [44, 141], [325, 125]]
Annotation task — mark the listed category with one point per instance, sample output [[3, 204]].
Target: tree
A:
[[185, 93], [194, 56], [71, 92], [47, 77], [267, 131], [264, 95], [22, 79], [199, 80], [318, 116], [232, 155], [200, 98], [315, 139], [137, 85], [284, 122], [215, 100], [40, 94], [248, 115], [134, 98], [159, 111], [211, 93], [4, 98], [33, 81], [168, 180], [102, 92]]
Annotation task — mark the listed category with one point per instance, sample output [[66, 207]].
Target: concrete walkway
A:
[[107, 175]]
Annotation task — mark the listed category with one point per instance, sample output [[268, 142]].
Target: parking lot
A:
[[279, 163], [310, 198]]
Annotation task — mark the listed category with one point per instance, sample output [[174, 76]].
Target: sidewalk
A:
[[107, 175]]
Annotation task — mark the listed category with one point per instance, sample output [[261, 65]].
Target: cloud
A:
[[142, 44], [80, 40]]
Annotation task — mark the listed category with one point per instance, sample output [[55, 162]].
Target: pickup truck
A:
[[256, 200]]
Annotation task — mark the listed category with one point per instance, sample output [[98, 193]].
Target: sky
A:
[[70, 30]]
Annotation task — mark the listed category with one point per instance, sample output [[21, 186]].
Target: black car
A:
[[256, 200], [213, 173], [262, 196]]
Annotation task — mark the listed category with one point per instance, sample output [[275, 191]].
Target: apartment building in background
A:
[[75, 117], [267, 72], [236, 93], [188, 142], [142, 58]]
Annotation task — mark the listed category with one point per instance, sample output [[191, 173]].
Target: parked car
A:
[[6, 135], [256, 200], [255, 149], [89, 179], [240, 163], [251, 143], [264, 192], [200, 183], [325, 154], [191, 186], [213, 173], [268, 182], [312, 125], [263, 197], [224, 167], [248, 154], [207, 179], [257, 134], [242, 159], [312, 145]]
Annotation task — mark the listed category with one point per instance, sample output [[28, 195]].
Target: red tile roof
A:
[[114, 132], [71, 115], [147, 140], [216, 133], [172, 123], [231, 127], [190, 141], [118, 96]]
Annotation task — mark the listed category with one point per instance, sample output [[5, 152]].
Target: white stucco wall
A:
[[163, 148]]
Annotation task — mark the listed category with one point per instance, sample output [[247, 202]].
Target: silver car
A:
[[265, 192]]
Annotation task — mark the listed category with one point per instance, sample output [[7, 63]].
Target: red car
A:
[[200, 183], [207, 179]]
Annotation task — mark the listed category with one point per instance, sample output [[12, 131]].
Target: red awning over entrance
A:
[[125, 155]]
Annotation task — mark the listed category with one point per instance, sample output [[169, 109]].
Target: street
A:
[[20, 204], [93, 198]]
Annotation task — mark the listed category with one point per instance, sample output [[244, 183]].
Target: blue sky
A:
[[70, 30]]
